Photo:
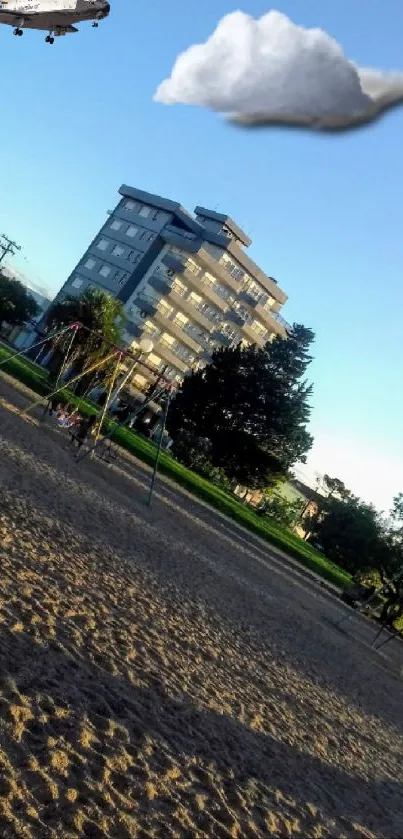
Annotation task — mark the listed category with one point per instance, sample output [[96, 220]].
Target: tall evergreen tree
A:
[[251, 407]]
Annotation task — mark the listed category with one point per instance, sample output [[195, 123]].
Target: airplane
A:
[[57, 17]]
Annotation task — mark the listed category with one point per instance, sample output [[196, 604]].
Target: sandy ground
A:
[[160, 676]]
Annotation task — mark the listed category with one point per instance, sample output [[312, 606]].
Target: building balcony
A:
[[176, 331], [247, 298], [133, 330], [222, 338], [188, 308], [204, 288], [270, 318], [274, 322], [254, 337], [218, 270], [151, 332], [146, 305], [169, 356], [149, 370], [173, 262], [234, 317], [161, 283], [135, 391], [203, 341]]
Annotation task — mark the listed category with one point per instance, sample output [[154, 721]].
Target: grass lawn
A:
[[34, 377]]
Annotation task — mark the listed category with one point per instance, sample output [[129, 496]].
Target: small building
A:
[[22, 337], [292, 491]]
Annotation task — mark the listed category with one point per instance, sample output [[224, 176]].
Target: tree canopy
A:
[[16, 304], [354, 535], [248, 409], [96, 310]]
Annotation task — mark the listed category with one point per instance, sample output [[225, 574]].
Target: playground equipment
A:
[[364, 606], [122, 356]]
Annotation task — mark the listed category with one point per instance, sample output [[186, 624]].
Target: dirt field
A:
[[161, 676]]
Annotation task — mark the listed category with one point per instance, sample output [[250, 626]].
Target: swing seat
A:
[[108, 452]]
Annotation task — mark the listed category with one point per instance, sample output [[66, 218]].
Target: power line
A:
[[7, 246]]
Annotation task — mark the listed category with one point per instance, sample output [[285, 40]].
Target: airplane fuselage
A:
[[57, 17]]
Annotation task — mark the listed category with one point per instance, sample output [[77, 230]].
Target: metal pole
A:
[[124, 381], [43, 341], [75, 327], [157, 458], [9, 247], [104, 409], [118, 425], [378, 635], [76, 379]]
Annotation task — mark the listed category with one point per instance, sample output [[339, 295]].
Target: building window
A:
[[181, 320], [154, 360], [165, 308], [194, 267], [118, 250], [140, 380], [129, 205], [103, 244], [116, 224], [132, 231], [195, 299], [133, 256], [145, 211], [155, 215], [77, 282], [90, 264], [254, 290], [105, 271], [179, 287]]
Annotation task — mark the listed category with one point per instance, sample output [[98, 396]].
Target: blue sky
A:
[[78, 119]]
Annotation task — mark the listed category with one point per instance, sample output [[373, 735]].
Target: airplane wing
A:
[[9, 18]]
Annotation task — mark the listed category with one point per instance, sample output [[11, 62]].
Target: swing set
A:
[[373, 600], [121, 357]]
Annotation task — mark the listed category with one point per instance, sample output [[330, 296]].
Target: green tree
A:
[[355, 536], [331, 488], [99, 312], [16, 304], [396, 515], [334, 487], [249, 409], [282, 510]]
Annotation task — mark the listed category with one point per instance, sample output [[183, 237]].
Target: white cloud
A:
[[271, 71], [374, 473]]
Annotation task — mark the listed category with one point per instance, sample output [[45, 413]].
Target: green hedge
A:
[[36, 378]]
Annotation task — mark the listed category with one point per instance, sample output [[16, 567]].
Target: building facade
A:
[[185, 281]]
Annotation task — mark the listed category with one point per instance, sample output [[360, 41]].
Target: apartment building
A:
[[186, 282]]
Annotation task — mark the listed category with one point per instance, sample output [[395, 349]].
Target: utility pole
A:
[[7, 246]]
